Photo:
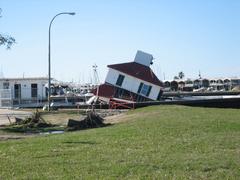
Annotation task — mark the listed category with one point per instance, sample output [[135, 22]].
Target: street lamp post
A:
[[49, 54]]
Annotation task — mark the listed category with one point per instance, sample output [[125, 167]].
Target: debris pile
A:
[[35, 121], [91, 120]]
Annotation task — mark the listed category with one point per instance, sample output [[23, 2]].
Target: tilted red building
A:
[[132, 81]]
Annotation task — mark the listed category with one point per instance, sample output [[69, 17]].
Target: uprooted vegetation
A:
[[32, 124], [91, 120], [34, 121], [60, 121]]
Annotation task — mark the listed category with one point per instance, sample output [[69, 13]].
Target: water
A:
[[52, 132]]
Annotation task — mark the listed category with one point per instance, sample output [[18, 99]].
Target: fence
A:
[[6, 98], [24, 97]]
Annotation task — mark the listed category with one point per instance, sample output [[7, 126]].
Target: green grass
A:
[[159, 142]]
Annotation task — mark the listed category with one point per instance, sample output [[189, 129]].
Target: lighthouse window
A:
[[144, 89], [120, 80]]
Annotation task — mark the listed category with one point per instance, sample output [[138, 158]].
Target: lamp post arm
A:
[[49, 54]]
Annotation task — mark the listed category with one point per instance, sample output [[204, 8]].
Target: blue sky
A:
[[186, 35]]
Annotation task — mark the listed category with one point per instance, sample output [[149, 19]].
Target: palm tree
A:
[[175, 77], [6, 40], [181, 75]]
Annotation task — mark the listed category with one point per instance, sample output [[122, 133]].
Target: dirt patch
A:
[[61, 118], [103, 118], [10, 137], [119, 118], [99, 118]]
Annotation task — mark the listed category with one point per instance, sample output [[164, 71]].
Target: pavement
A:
[[7, 116]]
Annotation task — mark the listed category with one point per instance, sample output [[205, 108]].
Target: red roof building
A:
[[137, 70], [133, 81]]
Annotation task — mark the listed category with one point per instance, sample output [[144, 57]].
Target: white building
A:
[[22, 90], [209, 84], [132, 81]]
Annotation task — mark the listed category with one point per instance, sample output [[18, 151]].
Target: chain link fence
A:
[[6, 100], [21, 97]]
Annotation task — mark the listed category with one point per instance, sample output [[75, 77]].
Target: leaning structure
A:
[[132, 81]]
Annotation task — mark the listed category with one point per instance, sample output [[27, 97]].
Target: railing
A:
[[10, 98], [114, 104]]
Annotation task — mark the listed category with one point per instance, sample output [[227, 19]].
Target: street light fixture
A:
[[49, 53]]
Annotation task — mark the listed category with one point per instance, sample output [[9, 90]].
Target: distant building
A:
[[22, 90], [209, 84], [133, 81]]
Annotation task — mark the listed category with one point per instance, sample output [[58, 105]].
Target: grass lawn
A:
[[158, 142]]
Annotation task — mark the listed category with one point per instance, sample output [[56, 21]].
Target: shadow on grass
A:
[[80, 142], [34, 130], [86, 127], [27, 129]]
